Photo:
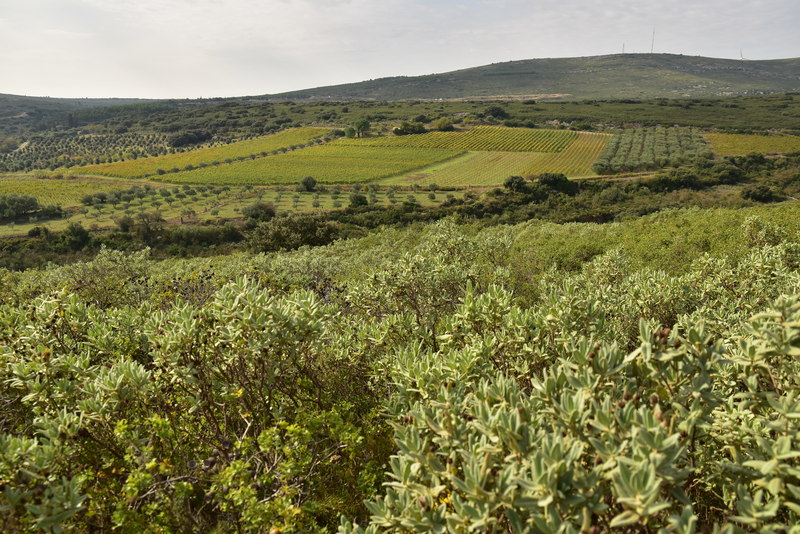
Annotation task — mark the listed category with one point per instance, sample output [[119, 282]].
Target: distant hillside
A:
[[599, 77], [21, 113]]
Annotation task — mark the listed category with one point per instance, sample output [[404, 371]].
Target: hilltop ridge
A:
[[602, 77]]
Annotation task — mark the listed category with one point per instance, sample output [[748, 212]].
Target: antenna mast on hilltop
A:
[[653, 41]]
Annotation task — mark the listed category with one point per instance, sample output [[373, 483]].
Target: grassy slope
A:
[[617, 76]]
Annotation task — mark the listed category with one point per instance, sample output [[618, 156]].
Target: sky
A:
[[205, 48]]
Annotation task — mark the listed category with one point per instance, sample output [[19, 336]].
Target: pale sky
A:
[[205, 48]]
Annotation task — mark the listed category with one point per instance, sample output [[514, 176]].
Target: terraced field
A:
[[336, 162], [488, 168], [741, 145], [64, 192], [484, 138], [260, 146]]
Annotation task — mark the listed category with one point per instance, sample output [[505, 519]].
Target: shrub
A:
[[294, 231], [759, 193], [259, 211]]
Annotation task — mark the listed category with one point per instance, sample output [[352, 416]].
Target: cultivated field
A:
[[64, 192], [741, 145], [484, 138], [196, 204], [260, 146], [483, 168], [336, 162], [639, 149]]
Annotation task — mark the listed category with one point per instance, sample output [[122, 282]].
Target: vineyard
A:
[[64, 192], [242, 150], [638, 149], [492, 168], [576, 159], [740, 145], [484, 138], [336, 162]]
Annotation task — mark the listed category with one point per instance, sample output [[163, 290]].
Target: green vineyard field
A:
[[484, 168], [336, 162]]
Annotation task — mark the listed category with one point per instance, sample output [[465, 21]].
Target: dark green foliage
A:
[[125, 223], [18, 207], [516, 184], [293, 231], [409, 128], [357, 200], [362, 127], [15, 206], [497, 112], [259, 211], [308, 183], [673, 180], [203, 236], [557, 182], [759, 193], [75, 237], [443, 124]]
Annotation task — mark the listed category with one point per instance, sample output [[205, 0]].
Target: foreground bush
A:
[[174, 396], [685, 430]]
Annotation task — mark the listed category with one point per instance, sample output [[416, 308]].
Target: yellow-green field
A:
[[64, 192], [336, 162], [205, 156], [741, 144], [487, 168], [483, 138]]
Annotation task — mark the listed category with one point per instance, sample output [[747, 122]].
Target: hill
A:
[[611, 76], [21, 113]]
